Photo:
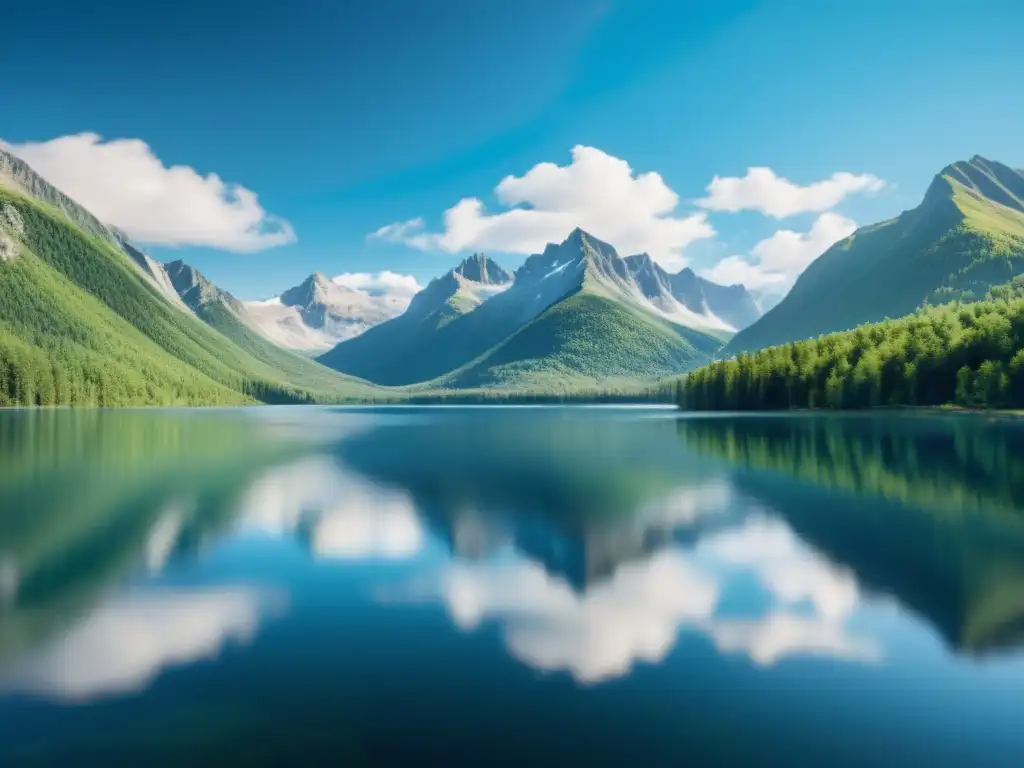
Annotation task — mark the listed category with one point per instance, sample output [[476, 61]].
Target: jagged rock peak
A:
[[192, 286], [480, 269], [584, 238], [184, 275], [315, 289]]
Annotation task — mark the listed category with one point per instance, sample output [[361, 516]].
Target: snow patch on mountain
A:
[[319, 313], [558, 268]]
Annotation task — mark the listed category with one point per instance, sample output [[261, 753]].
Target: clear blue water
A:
[[451, 586]]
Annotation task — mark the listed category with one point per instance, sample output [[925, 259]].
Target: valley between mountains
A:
[[87, 318]]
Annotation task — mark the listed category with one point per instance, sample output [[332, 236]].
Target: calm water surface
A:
[[510, 586]]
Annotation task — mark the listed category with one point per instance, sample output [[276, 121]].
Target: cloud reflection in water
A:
[[636, 614], [125, 643], [344, 516]]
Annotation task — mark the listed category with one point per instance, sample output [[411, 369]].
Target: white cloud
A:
[[791, 252], [385, 283], [736, 269], [125, 185], [124, 644], [761, 190], [408, 232], [777, 261], [597, 192]]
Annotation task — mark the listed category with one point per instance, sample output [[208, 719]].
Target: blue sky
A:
[[344, 118]]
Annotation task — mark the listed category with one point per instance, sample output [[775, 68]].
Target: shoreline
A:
[[946, 410]]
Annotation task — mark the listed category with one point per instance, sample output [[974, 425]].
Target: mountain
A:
[[86, 318], [966, 237], [686, 295], [234, 319], [17, 176], [576, 315], [378, 353], [319, 313], [195, 291]]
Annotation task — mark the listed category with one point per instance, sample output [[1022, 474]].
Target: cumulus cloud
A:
[[598, 192], [775, 262], [124, 184], [407, 232], [734, 270], [762, 190], [123, 645], [384, 283]]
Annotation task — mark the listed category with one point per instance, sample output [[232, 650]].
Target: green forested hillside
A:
[[585, 341], [970, 354], [79, 325], [966, 237], [226, 314]]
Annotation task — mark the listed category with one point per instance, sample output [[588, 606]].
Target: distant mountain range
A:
[[966, 237], [318, 313], [576, 315]]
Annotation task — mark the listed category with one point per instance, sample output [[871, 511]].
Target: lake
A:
[[591, 586]]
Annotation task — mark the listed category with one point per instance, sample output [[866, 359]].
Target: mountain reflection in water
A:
[[157, 554]]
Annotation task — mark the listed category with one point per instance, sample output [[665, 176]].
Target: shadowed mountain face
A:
[[966, 238], [195, 290], [730, 303]]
